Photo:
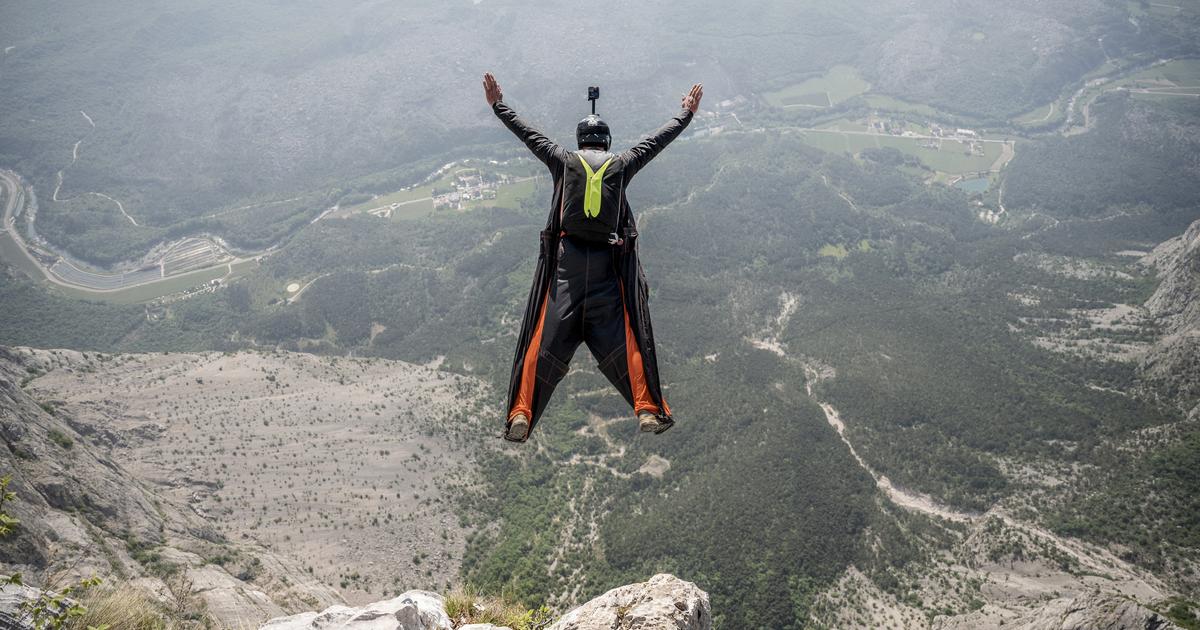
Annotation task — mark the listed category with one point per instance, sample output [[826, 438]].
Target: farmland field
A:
[[1040, 116], [880, 101], [953, 157], [838, 84]]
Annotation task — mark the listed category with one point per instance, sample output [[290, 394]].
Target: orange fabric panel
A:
[[642, 401], [524, 402]]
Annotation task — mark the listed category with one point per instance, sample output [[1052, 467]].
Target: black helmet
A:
[[593, 131]]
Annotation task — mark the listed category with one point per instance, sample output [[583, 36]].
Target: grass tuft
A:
[[125, 607], [467, 605]]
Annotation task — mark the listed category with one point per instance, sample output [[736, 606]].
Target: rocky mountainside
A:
[[195, 477], [83, 513], [1174, 361]]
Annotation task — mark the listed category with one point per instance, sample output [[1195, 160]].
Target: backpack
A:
[[593, 194]]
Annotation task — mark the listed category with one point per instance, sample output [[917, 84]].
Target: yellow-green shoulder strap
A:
[[595, 186]]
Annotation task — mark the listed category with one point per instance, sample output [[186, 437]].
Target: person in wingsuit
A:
[[588, 286]]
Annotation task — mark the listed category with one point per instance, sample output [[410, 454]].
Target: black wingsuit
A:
[[586, 289]]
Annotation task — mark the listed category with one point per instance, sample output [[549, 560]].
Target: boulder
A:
[[665, 602], [414, 610], [11, 598]]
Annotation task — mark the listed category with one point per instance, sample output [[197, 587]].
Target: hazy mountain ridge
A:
[[182, 112]]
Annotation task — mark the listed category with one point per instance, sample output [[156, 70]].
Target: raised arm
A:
[[640, 154], [544, 148]]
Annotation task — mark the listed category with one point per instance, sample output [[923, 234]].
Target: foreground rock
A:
[[414, 610], [665, 602]]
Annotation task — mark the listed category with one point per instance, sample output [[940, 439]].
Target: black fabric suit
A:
[[586, 287]]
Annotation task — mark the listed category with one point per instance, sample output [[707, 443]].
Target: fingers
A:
[[691, 100], [491, 88]]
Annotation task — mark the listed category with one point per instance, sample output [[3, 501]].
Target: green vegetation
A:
[[1130, 158], [1184, 613], [1146, 503], [1040, 116], [466, 605], [62, 440], [889, 103], [835, 86], [947, 156]]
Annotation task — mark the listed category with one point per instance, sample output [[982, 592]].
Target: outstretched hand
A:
[[691, 100], [491, 89]]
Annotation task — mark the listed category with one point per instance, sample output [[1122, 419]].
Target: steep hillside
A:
[[1174, 361], [253, 482], [83, 512]]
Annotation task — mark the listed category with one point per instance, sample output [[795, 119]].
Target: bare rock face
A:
[[665, 602], [11, 598], [1178, 264], [83, 513], [1174, 361], [414, 610], [1094, 612]]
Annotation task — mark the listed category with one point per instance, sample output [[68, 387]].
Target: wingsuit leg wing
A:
[[626, 356]]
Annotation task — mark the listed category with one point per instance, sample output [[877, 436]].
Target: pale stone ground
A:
[[335, 462]]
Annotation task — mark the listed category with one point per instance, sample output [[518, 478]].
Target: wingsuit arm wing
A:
[[640, 154], [546, 150]]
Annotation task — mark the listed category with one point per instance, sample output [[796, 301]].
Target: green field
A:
[[888, 103], [1043, 115], [837, 85], [1177, 78], [1172, 80], [396, 197], [950, 159], [147, 292], [414, 210], [512, 195], [418, 201]]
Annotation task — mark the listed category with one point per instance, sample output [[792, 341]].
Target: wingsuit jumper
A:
[[588, 286]]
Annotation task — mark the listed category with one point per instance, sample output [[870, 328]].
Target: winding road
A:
[[65, 274]]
